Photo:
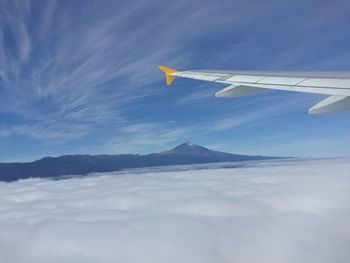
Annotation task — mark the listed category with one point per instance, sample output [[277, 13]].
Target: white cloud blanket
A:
[[296, 211]]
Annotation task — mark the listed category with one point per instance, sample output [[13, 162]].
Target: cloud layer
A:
[[263, 212]]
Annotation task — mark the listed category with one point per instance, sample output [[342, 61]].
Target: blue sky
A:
[[81, 76]]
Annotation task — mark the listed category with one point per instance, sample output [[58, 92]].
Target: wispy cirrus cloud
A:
[[74, 70], [71, 69]]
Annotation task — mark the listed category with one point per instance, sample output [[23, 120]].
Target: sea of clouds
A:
[[280, 211]]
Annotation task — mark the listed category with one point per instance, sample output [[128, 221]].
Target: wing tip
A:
[[168, 74]]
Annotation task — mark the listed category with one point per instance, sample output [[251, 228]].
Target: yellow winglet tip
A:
[[168, 74]]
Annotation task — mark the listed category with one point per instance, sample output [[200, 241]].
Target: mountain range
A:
[[186, 153]]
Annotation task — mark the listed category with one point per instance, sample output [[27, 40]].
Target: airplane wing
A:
[[244, 83]]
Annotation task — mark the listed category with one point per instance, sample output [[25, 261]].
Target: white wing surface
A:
[[244, 83]]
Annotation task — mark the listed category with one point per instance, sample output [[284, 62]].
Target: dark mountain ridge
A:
[[186, 153]]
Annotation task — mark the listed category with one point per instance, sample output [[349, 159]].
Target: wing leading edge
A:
[[245, 83]]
